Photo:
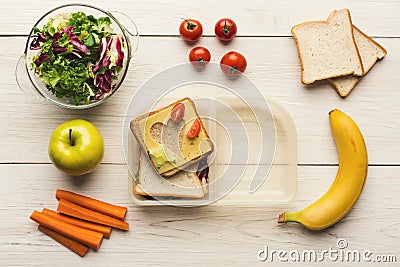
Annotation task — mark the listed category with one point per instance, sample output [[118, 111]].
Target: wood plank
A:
[[200, 236], [275, 69], [254, 18]]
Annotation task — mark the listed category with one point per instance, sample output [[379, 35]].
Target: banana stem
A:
[[288, 217]]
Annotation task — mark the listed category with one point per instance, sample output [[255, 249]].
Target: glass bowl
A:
[[30, 84]]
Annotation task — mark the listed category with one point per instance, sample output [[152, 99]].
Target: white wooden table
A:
[[210, 235]]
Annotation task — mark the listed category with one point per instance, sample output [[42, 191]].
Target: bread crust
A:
[[327, 22], [134, 125]]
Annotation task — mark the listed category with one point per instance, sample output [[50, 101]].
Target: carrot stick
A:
[[105, 230], [87, 237], [71, 209], [69, 243], [93, 204]]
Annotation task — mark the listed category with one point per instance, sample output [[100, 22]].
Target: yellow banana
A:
[[349, 182]]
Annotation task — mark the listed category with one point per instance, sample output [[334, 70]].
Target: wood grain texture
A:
[[183, 236], [373, 104], [254, 17]]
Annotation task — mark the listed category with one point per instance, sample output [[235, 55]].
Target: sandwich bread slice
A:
[[166, 141], [184, 184], [370, 52], [327, 49]]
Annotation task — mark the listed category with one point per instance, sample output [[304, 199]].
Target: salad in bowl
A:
[[76, 59]]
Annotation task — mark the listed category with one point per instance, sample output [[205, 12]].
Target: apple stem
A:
[[71, 142]]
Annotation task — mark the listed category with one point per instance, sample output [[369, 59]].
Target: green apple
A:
[[76, 147]]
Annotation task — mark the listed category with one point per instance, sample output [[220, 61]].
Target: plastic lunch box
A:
[[280, 185]]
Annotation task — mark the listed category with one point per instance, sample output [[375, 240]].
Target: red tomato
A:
[[190, 30], [178, 112], [233, 63], [194, 129], [225, 29], [199, 56]]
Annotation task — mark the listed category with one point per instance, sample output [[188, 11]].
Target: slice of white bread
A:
[[174, 136], [150, 183], [343, 85], [327, 49], [370, 52]]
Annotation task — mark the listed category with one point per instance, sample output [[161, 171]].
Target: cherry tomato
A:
[[233, 63], [190, 30], [194, 129], [199, 56], [225, 29], [178, 112]]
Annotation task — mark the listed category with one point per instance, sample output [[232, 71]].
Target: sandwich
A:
[[172, 138], [184, 184]]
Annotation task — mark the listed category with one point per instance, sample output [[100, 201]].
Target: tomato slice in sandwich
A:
[[178, 112], [194, 129]]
